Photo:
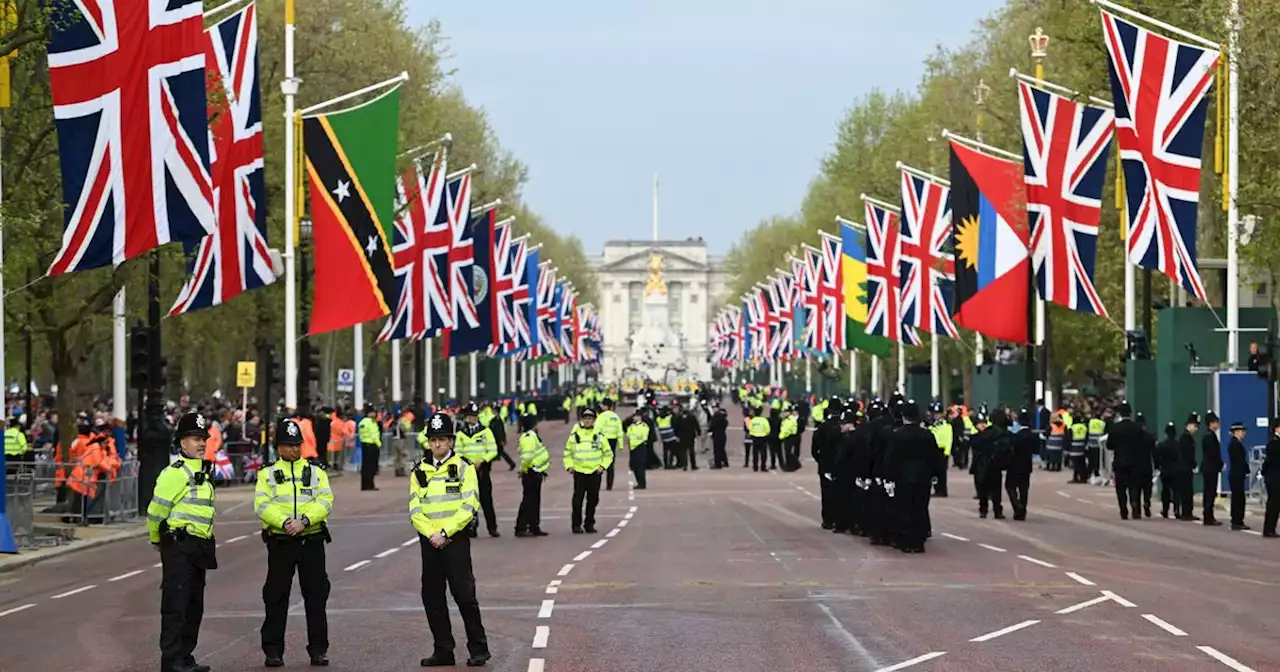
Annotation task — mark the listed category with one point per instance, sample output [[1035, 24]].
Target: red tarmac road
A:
[[703, 571]]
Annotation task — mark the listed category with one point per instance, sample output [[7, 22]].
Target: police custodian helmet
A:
[[288, 433], [440, 424], [192, 424]]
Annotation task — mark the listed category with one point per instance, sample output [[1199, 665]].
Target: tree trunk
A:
[[64, 376]]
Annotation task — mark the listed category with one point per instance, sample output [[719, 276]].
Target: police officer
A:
[[180, 526], [586, 456], [1210, 467], [293, 499], [476, 442], [914, 459], [1237, 471], [370, 447], [534, 464], [638, 440], [758, 430], [611, 428], [442, 504], [1017, 480], [1126, 441], [1271, 476], [1186, 469]]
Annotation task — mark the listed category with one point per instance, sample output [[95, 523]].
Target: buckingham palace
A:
[[695, 283]]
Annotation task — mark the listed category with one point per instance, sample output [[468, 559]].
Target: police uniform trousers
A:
[[940, 485], [1091, 458], [827, 488], [1128, 491], [485, 479], [529, 517], [960, 452], [285, 555], [689, 452], [502, 453], [184, 560], [988, 487], [670, 449], [759, 453], [1078, 474], [877, 514], [369, 465], [1018, 486], [608, 473], [639, 459], [1186, 495], [1209, 482], [1236, 481], [1053, 459], [775, 452], [1273, 508], [452, 565], [1168, 496], [855, 498], [748, 449], [912, 503], [585, 486], [719, 457]]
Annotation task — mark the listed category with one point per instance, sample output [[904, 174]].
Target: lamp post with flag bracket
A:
[[1037, 360]]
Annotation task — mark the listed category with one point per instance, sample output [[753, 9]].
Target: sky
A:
[[732, 102]]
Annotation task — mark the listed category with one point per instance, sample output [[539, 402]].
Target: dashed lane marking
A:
[[1003, 631], [1164, 625], [233, 540], [612, 533], [1063, 494], [158, 565], [555, 582], [600, 543], [1253, 532], [989, 547], [77, 591], [358, 565], [954, 536], [1123, 602], [1080, 579], [633, 509], [547, 607], [914, 661], [552, 590], [1225, 659], [1034, 561], [623, 523], [16, 610], [537, 665], [1087, 603], [629, 516], [564, 571], [540, 636], [410, 542], [387, 552], [124, 576], [582, 556]]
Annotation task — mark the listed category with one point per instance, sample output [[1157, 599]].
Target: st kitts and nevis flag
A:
[[235, 258], [989, 236], [351, 167], [1158, 86], [418, 247], [130, 109], [1064, 145], [853, 261], [476, 335]]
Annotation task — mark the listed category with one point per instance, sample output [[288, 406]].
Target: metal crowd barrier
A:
[[18, 498]]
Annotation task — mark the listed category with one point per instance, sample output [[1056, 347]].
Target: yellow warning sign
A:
[[246, 374]]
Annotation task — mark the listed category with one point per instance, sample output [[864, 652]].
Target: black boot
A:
[[439, 660]]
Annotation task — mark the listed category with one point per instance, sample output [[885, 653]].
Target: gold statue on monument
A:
[[656, 284]]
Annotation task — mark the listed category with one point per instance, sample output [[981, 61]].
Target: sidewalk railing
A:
[[44, 505]]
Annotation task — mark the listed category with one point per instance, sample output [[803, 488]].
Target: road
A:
[[707, 570]]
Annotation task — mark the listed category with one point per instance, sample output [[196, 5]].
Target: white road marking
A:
[[1082, 605], [1164, 625], [536, 664], [1225, 659], [69, 593], [634, 509], [387, 552], [1253, 532], [1034, 561], [612, 533], [954, 536], [16, 609], [600, 543], [547, 606], [552, 590], [555, 582], [124, 576], [582, 556], [989, 547], [564, 571], [914, 661], [540, 636], [629, 516], [1003, 631], [1080, 579], [410, 542], [1083, 500], [158, 565], [1063, 494], [623, 523], [233, 540], [356, 566], [1123, 602]]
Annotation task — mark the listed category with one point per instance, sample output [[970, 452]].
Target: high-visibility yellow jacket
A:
[[479, 447], [943, 434], [758, 427], [610, 425], [183, 497], [298, 490], [585, 450], [444, 499], [485, 416], [369, 432], [637, 435], [533, 453], [819, 412], [15, 442], [788, 427]]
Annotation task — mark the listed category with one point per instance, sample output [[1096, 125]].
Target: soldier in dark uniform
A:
[[912, 460], [1017, 480], [1186, 468], [990, 440], [1125, 440], [1271, 475], [1210, 467], [1237, 471]]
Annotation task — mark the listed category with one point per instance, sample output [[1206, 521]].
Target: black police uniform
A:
[[303, 554], [1271, 475], [1017, 480], [1187, 464], [912, 459], [1126, 441], [1210, 469], [1237, 471]]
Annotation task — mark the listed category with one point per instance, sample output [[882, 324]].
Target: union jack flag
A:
[[548, 288], [759, 324], [510, 293], [462, 254], [884, 290], [831, 289], [419, 248], [565, 327], [1159, 86], [926, 269], [1064, 146], [785, 289], [235, 258], [771, 312], [114, 63]]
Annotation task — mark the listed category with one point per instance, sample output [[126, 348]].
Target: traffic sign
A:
[[246, 374], [346, 380]]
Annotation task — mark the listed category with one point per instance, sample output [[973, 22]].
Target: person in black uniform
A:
[[1125, 440], [718, 427], [1017, 480], [499, 429], [687, 432], [844, 481], [1237, 470], [862, 459], [1144, 460], [913, 458], [825, 451], [775, 442], [1210, 467], [990, 440], [880, 513], [1271, 475], [1184, 489], [1167, 461]]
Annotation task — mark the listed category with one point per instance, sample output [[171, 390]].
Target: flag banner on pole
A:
[[351, 167], [853, 259], [746, 332], [547, 309], [884, 288], [770, 311], [532, 279], [510, 293], [1064, 146], [130, 109], [235, 259], [992, 282], [1158, 86], [926, 268], [468, 336], [419, 244], [567, 306], [785, 289], [831, 289]]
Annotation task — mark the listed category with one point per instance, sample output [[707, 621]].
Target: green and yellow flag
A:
[[853, 259]]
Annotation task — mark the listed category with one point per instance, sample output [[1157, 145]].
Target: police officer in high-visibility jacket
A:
[[443, 490], [611, 428], [586, 456], [535, 461], [370, 435], [637, 441], [475, 442], [180, 526], [945, 436], [293, 499], [758, 428]]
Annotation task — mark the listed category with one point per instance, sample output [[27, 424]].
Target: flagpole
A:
[[474, 387], [902, 368], [502, 377], [1233, 187], [7, 542], [119, 388], [394, 81], [453, 379], [853, 372], [875, 375], [427, 370], [289, 87], [1038, 358], [395, 372], [357, 333]]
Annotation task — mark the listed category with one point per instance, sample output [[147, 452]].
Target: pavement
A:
[[707, 570]]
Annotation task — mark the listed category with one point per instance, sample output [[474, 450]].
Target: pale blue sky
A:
[[733, 102]]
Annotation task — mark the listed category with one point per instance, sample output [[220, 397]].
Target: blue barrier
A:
[[7, 543]]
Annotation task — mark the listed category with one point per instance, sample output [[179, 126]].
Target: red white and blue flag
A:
[[235, 258], [129, 104], [884, 291], [1158, 86], [1064, 145], [461, 256], [511, 294], [926, 269], [548, 340], [831, 292], [419, 248]]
